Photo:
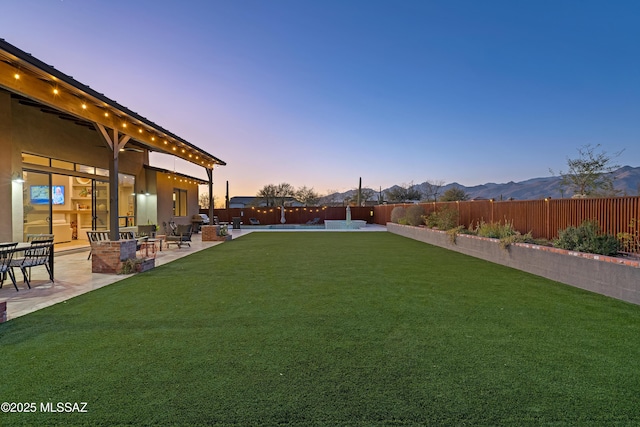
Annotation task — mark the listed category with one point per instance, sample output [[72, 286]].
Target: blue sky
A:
[[320, 93]]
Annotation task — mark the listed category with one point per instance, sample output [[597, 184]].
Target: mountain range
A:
[[626, 181]]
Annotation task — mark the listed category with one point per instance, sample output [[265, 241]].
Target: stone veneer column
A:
[[208, 233], [107, 256]]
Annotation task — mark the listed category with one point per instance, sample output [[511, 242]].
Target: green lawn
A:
[[315, 329]]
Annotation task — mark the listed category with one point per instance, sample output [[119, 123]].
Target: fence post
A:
[[547, 208]]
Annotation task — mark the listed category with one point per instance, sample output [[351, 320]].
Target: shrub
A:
[[453, 233], [630, 239], [130, 265], [398, 213], [414, 214], [507, 241], [587, 238], [444, 219], [495, 230]]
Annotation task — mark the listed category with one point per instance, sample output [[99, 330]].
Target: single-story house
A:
[[73, 160]]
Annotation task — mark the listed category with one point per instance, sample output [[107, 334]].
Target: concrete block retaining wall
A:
[[615, 277]]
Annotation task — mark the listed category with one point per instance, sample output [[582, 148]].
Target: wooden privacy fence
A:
[[272, 215], [542, 217]]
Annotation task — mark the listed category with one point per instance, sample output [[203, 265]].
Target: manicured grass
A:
[[315, 329]]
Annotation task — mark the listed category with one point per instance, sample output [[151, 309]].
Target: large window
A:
[[179, 202]]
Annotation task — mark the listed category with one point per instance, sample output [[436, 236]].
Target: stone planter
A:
[[614, 277], [107, 256], [208, 233], [3, 311], [211, 233], [145, 265], [222, 238]]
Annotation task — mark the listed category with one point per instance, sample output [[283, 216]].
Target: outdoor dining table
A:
[[23, 246]]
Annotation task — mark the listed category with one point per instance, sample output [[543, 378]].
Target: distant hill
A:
[[626, 181]]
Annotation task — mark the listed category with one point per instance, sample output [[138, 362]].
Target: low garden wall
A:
[[614, 277]]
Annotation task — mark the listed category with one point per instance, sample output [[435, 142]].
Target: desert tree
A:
[[432, 189], [366, 194], [589, 174], [403, 193], [203, 201], [275, 195], [454, 194], [307, 196], [268, 194]]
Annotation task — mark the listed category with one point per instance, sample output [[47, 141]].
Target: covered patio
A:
[[61, 138]]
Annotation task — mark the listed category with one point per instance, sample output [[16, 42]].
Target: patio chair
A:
[[146, 230], [96, 236], [314, 221], [180, 235], [35, 237], [6, 255], [36, 255], [254, 221], [185, 231]]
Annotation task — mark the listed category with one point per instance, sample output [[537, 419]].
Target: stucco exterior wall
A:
[[47, 135], [165, 186], [27, 129], [9, 165]]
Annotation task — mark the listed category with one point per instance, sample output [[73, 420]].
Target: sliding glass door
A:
[[37, 203], [100, 205]]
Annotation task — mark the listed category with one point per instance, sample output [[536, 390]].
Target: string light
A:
[[56, 91]]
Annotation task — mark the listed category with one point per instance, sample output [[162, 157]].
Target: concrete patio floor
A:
[[73, 274]]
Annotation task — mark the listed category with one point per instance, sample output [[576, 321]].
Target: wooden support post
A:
[[115, 143], [210, 176]]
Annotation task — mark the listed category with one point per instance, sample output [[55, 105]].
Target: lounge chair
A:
[[254, 221], [180, 235], [314, 221]]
